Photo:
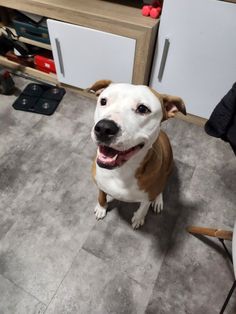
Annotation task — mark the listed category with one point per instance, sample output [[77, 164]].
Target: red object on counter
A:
[[146, 10], [44, 64], [155, 12]]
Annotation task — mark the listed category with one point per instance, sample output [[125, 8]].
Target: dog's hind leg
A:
[[101, 207], [157, 205], [139, 216]]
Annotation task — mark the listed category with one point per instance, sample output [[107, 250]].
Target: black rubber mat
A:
[[39, 98]]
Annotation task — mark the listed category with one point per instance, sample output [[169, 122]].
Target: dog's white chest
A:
[[120, 184]]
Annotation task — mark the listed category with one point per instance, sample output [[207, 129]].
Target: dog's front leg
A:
[[139, 216], [157, 204], [101, 207]]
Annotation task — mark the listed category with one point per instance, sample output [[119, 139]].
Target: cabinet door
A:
[[83, 55], [195, 56]]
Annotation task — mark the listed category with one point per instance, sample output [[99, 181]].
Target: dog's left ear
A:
[[99, 86], [172, 105]]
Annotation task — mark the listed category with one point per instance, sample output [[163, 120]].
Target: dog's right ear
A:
[[99, 86]]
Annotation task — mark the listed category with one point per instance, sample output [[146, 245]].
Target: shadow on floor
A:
[[160, 226]]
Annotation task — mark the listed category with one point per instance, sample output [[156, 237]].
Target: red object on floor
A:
[[44, 64]]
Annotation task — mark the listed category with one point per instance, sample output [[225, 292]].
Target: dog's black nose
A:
[[105, 130]]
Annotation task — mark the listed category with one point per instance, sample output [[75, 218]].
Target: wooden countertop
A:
[[119, 17], [80, 10]]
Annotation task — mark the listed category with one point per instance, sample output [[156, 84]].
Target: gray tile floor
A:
[[56, 258]]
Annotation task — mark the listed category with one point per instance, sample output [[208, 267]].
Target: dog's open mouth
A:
[[110, 158]]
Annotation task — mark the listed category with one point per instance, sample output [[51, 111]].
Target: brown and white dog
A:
[[134, 156]]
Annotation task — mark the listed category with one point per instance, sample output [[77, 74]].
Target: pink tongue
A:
[[113, 157], [107, 155]]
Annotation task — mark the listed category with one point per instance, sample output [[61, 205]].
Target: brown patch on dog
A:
[[94, 170], [173, 104], [99, 86], [170, 105], [102, 198], [156, 167]]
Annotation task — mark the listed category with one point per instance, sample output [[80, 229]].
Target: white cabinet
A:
[[83, 55], [198, 62]]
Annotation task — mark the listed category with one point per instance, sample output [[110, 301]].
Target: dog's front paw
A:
[[137, 220], [157, 205], [100, 212]]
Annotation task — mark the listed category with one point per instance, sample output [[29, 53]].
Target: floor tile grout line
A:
[[23, 289], [107, 263], [125, 273], [69, 268], [165, 255], [152, 285], [62, 281], [86, 141]]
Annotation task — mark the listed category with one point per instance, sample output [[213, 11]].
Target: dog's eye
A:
[[142, 109], [103, 101]]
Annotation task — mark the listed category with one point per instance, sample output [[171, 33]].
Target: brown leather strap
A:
[[217, 233]]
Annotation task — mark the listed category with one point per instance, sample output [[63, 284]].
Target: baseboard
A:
[[192, 119]]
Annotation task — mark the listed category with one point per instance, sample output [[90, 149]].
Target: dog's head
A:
[[127, 120]]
